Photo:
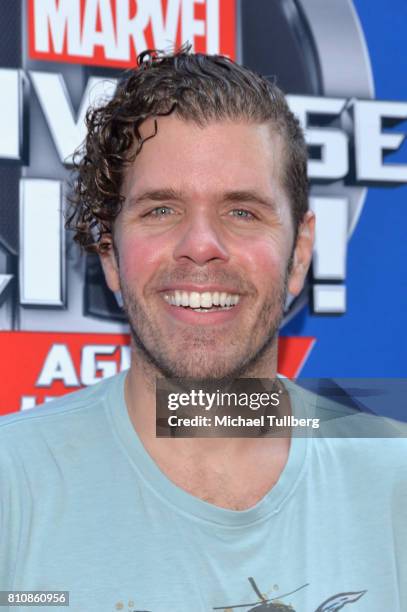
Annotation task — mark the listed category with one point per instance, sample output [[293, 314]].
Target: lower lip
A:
[[189, 316]]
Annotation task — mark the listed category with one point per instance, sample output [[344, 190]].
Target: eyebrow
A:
[[249, 196], [156, 195], [164, 195]]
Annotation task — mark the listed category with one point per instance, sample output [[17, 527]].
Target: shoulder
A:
[[71, 416], [371, 468], [356, 443]]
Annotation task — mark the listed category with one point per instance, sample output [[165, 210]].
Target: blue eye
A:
[[241, 213], [161, 211]]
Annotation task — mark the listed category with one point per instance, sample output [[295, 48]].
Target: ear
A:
[[302, 253], [109, 263]]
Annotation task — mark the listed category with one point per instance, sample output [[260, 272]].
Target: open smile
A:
[[202, 302], [191, 306]]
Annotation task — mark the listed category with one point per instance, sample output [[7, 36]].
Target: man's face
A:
[[203, 245]]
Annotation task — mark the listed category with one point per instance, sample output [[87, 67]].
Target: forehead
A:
[[221, 155]]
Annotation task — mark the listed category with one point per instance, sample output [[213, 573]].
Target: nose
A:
[[200, 241]]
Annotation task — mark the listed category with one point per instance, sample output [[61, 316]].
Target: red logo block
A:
[[114, 32], [39, 366]]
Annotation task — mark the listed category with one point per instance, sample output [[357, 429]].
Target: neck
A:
[[233, 473], [140, 393]]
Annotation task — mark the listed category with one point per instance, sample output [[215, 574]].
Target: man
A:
[[192, 188]]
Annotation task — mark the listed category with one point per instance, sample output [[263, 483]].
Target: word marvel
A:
[[113, 33]]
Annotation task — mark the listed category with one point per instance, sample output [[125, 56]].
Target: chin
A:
[[198, 367], [210, 363]]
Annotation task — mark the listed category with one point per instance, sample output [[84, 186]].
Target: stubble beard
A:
[[190, 353]]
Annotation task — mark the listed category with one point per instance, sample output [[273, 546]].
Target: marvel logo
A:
[[113, 32]]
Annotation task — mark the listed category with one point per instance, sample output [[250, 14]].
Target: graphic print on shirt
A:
[[120, 606], [264, 604], [336, 602]]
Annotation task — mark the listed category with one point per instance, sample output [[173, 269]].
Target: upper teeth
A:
[[207, 299]]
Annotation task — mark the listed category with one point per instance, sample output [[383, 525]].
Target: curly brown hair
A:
[[197, 87]]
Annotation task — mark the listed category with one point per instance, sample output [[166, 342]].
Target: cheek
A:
[[263, 259], [140, 258]]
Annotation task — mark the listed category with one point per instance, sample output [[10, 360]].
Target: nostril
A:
[[201, 248]]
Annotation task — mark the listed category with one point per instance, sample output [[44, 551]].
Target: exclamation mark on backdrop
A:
[[329, 259]]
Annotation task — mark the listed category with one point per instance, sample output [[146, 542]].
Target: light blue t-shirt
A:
[[84, 509]]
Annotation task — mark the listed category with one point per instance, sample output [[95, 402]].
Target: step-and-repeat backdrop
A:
[[343, 66]]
